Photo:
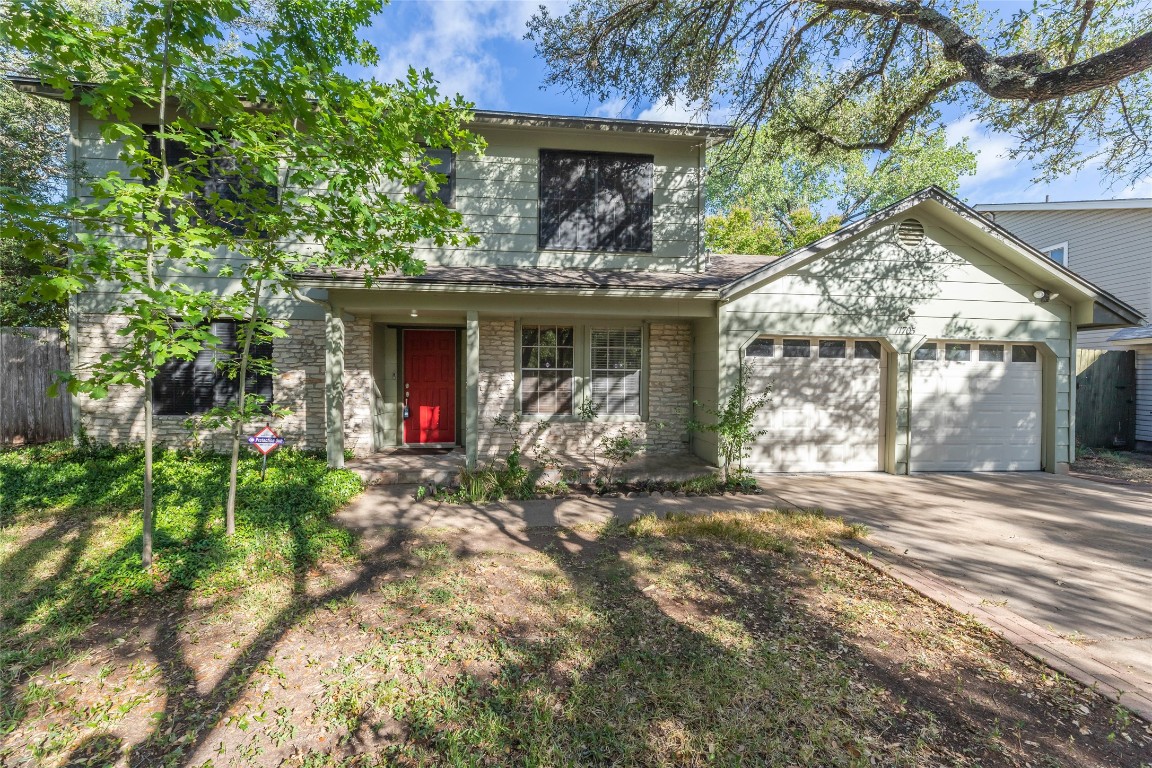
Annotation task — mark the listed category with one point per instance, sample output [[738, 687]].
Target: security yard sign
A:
[[266, 440]]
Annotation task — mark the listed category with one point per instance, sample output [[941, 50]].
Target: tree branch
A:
[[898, 125], [1018, 77]]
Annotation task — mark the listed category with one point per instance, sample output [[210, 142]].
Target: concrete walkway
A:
[[1061, 567]]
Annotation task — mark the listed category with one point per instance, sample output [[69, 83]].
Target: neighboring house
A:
[[922, 338], [1110, 243]]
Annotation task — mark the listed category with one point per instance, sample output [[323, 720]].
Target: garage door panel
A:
[[976, 415], [824, 415]]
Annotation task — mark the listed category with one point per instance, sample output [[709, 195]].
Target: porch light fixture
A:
[[414, 313], [1043, 295]]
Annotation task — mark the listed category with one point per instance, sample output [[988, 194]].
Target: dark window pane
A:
[[443, 163], [867, 350], [760, 348], [992, 353], [832, 348], [796, 347], [1024, 354], [958, 352], [926, 352], [529, 335], [226, 187], [595, 201], [564, 337]]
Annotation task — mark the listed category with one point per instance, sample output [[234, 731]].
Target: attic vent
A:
[[910, 233]]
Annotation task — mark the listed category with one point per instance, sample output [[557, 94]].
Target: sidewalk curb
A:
[[1040, 643]]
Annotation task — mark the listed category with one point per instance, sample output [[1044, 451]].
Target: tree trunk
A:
[[238, 424], [146, 547]]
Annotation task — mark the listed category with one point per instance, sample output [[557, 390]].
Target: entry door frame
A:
[[400, 390]]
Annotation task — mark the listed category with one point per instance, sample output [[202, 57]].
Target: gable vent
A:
[[910, 233]]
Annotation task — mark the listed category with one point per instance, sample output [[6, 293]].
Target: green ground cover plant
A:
[[79, 550]]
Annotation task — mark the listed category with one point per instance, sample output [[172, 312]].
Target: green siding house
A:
[[922, 338]]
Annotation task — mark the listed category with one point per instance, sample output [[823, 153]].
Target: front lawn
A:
[[735, 639]]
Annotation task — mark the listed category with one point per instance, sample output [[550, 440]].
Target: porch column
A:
[[334, 387], [472, 390]]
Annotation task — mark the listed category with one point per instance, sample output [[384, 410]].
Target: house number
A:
[[904, 330]]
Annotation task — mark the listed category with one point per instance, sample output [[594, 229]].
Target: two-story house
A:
[[1110, 243], [922, 338]]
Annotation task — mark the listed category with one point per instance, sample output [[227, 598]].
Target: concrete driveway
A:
[[1071, 558]]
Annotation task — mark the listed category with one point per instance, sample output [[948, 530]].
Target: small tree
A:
[[734, 422]]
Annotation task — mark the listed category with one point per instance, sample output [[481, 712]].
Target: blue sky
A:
[[477, 48]]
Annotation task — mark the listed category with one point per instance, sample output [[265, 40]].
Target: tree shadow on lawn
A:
[[723, 664], [740, 674], [69, 571]]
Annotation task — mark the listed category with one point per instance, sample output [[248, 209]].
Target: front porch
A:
[[488, 388]]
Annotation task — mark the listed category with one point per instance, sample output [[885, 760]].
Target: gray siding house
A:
[[922, 338], [1110, 243]]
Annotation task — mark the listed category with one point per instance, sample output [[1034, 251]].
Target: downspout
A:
[[701, 175]]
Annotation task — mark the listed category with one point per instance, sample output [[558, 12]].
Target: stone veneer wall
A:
[[299, 385], [669, 397]]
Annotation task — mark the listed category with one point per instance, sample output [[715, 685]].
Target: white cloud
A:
[[456, 40], [678, 111], [999, 179], [992, 161]]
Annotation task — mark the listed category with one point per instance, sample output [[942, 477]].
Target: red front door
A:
[[430, 386]]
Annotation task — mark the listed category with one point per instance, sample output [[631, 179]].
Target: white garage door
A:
[[826, 410], [975, 407]]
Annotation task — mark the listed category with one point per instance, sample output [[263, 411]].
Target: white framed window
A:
[[1058, 253], [547, 380], [561, 367], [616, 367]]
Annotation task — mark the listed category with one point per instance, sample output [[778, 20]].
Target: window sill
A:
[[538, 418]]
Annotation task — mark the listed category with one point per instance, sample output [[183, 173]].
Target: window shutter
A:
[[218, 385]]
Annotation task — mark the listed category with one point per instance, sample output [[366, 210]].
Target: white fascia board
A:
[[1069, 205]]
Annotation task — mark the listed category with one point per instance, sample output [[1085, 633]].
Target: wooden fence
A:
[[28, 359], [1105, 398]]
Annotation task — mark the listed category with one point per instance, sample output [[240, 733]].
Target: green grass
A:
[[70, 545]]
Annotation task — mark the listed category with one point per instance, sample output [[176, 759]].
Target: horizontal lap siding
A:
[[1144, 396], [497, 193], [1111, 248]]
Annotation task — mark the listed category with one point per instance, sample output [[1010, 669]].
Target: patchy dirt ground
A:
[[723, 642], [1124, 466]]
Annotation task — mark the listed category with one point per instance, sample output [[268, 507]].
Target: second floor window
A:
[[222, 180], [445, 165], [595, 201]]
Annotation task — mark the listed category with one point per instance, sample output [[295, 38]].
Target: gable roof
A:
[[1095, 306]]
